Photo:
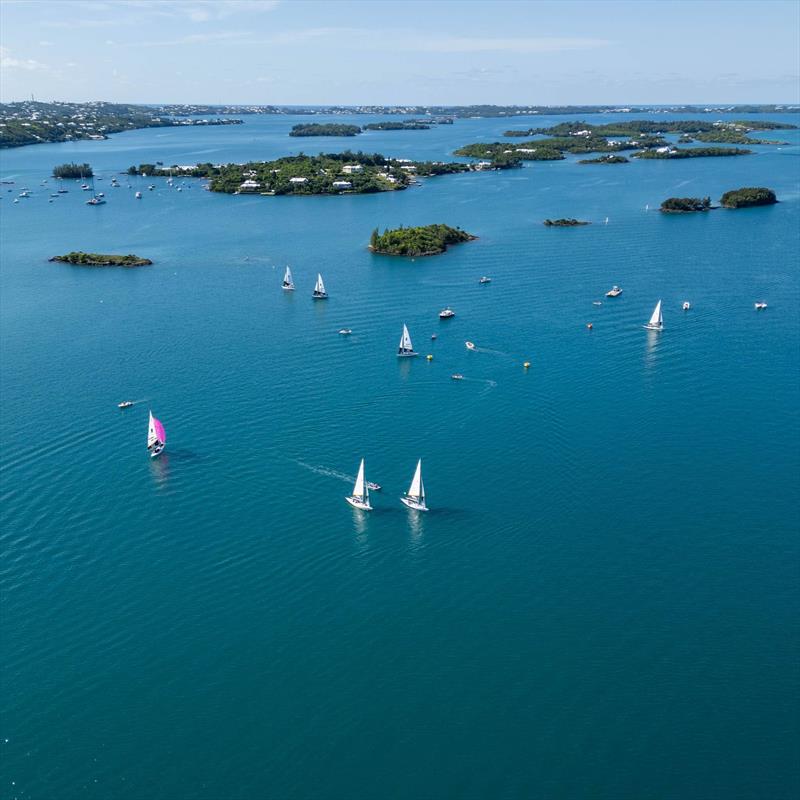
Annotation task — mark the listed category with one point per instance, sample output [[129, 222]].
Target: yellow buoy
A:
[[526, 364], [429, 357]]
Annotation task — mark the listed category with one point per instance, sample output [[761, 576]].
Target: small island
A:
[[73, 170], [101, 260], [693, 152], [684, 205], [564, 222], [324, 129], [748, 196], [425, 240], [605, 160], [408, 125]]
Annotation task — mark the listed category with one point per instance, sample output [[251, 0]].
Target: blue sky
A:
[[436, 51]]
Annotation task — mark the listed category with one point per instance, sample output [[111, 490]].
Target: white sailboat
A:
[[288, 283], [405, 349], [360, 496], [656, 322], [319, 289], [156, 437], [414, 498]]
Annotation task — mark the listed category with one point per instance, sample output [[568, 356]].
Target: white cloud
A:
[[7, 61]]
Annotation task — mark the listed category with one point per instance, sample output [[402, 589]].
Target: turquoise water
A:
[[602, 601]]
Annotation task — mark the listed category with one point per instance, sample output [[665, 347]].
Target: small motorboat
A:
[[596, 303], [447, 313], [138, 195], [151, 187], [373, 487], [433, 336], [125, 404], [686, 305], [345, 331], [95, 201], [760, 306], [485, 279], [85, 187], [615, 291], [470, 345], [457, 377], [100, 194]]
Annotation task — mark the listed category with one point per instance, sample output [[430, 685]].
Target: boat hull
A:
[[413, 504], [649, 327], [407, 355], [157, 451], [358, 503]]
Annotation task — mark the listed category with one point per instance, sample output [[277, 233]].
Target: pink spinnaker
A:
[[160, 432]]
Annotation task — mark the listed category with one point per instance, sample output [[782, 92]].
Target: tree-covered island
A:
[[565, 222], [425, 240], [638, 128], [409, 125], [683, 205], [324, 129], [693, 152], [748, 196], [605, 160], [73, 170], [101, 260], [327, 173]]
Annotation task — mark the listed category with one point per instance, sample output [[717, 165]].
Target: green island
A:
[[656, 128], [425, 240], [410, 125], [684, 205], [748, 196], [327, 173], [73, 170], [731, 136], [692, 152], [33, 122], [324, 129], [102, 260], [564, 222], [605, 160]]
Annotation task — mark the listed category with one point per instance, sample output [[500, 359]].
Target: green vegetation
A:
[[731, 136], [694, 152], [327, 173], [564, 222], [102, 260], [681, 205], [638, 128], [72, 171], [426, 240], [324, 129], [748, 196], [410, 125], [605, 160]]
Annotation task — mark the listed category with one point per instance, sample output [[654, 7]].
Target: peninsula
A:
[[683, 205], [101, 260], [322, 129], [425, 240], [564, 222], [327, 173], [748, 196]]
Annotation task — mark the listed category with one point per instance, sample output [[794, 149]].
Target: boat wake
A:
[[487, 382], [329, 473]]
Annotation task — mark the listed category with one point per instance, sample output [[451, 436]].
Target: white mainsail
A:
[[152, 438], [656, 320], [405, 345], [319, 288], [360, 489], [417, 488], [288, 283]]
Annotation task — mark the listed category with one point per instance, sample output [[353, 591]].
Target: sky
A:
[[445, 52]]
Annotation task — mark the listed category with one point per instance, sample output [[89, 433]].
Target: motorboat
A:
[[596, 303], [615, 291], [434, 337], [95, 201], [373, 487], [686, 305], [345, 331], [470, 345], [447, 313], [485, 279], [457, 377], [760, 306], [125, 404], [138, 195]]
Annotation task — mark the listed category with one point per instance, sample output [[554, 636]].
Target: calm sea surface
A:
[[603, 600]]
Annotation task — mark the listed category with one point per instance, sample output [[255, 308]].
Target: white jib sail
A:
[[656, 319], [151, 432], [360, 490], [287, 278], [405, 341], [417, 489], [320, 287]]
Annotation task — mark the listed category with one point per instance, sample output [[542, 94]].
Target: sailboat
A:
[[405, 349], [288, 283], [156, 437], [656, 321], [414, 498], [360, 496], [319, 289]]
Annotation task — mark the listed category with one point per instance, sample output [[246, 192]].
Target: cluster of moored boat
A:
[[414, 498]]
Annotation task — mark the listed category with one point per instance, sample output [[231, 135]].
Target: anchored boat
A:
[[414, 498], [360, 496]]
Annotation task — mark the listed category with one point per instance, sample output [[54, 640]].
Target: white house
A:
[[351, 169], [298, 180], [249, 186]]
